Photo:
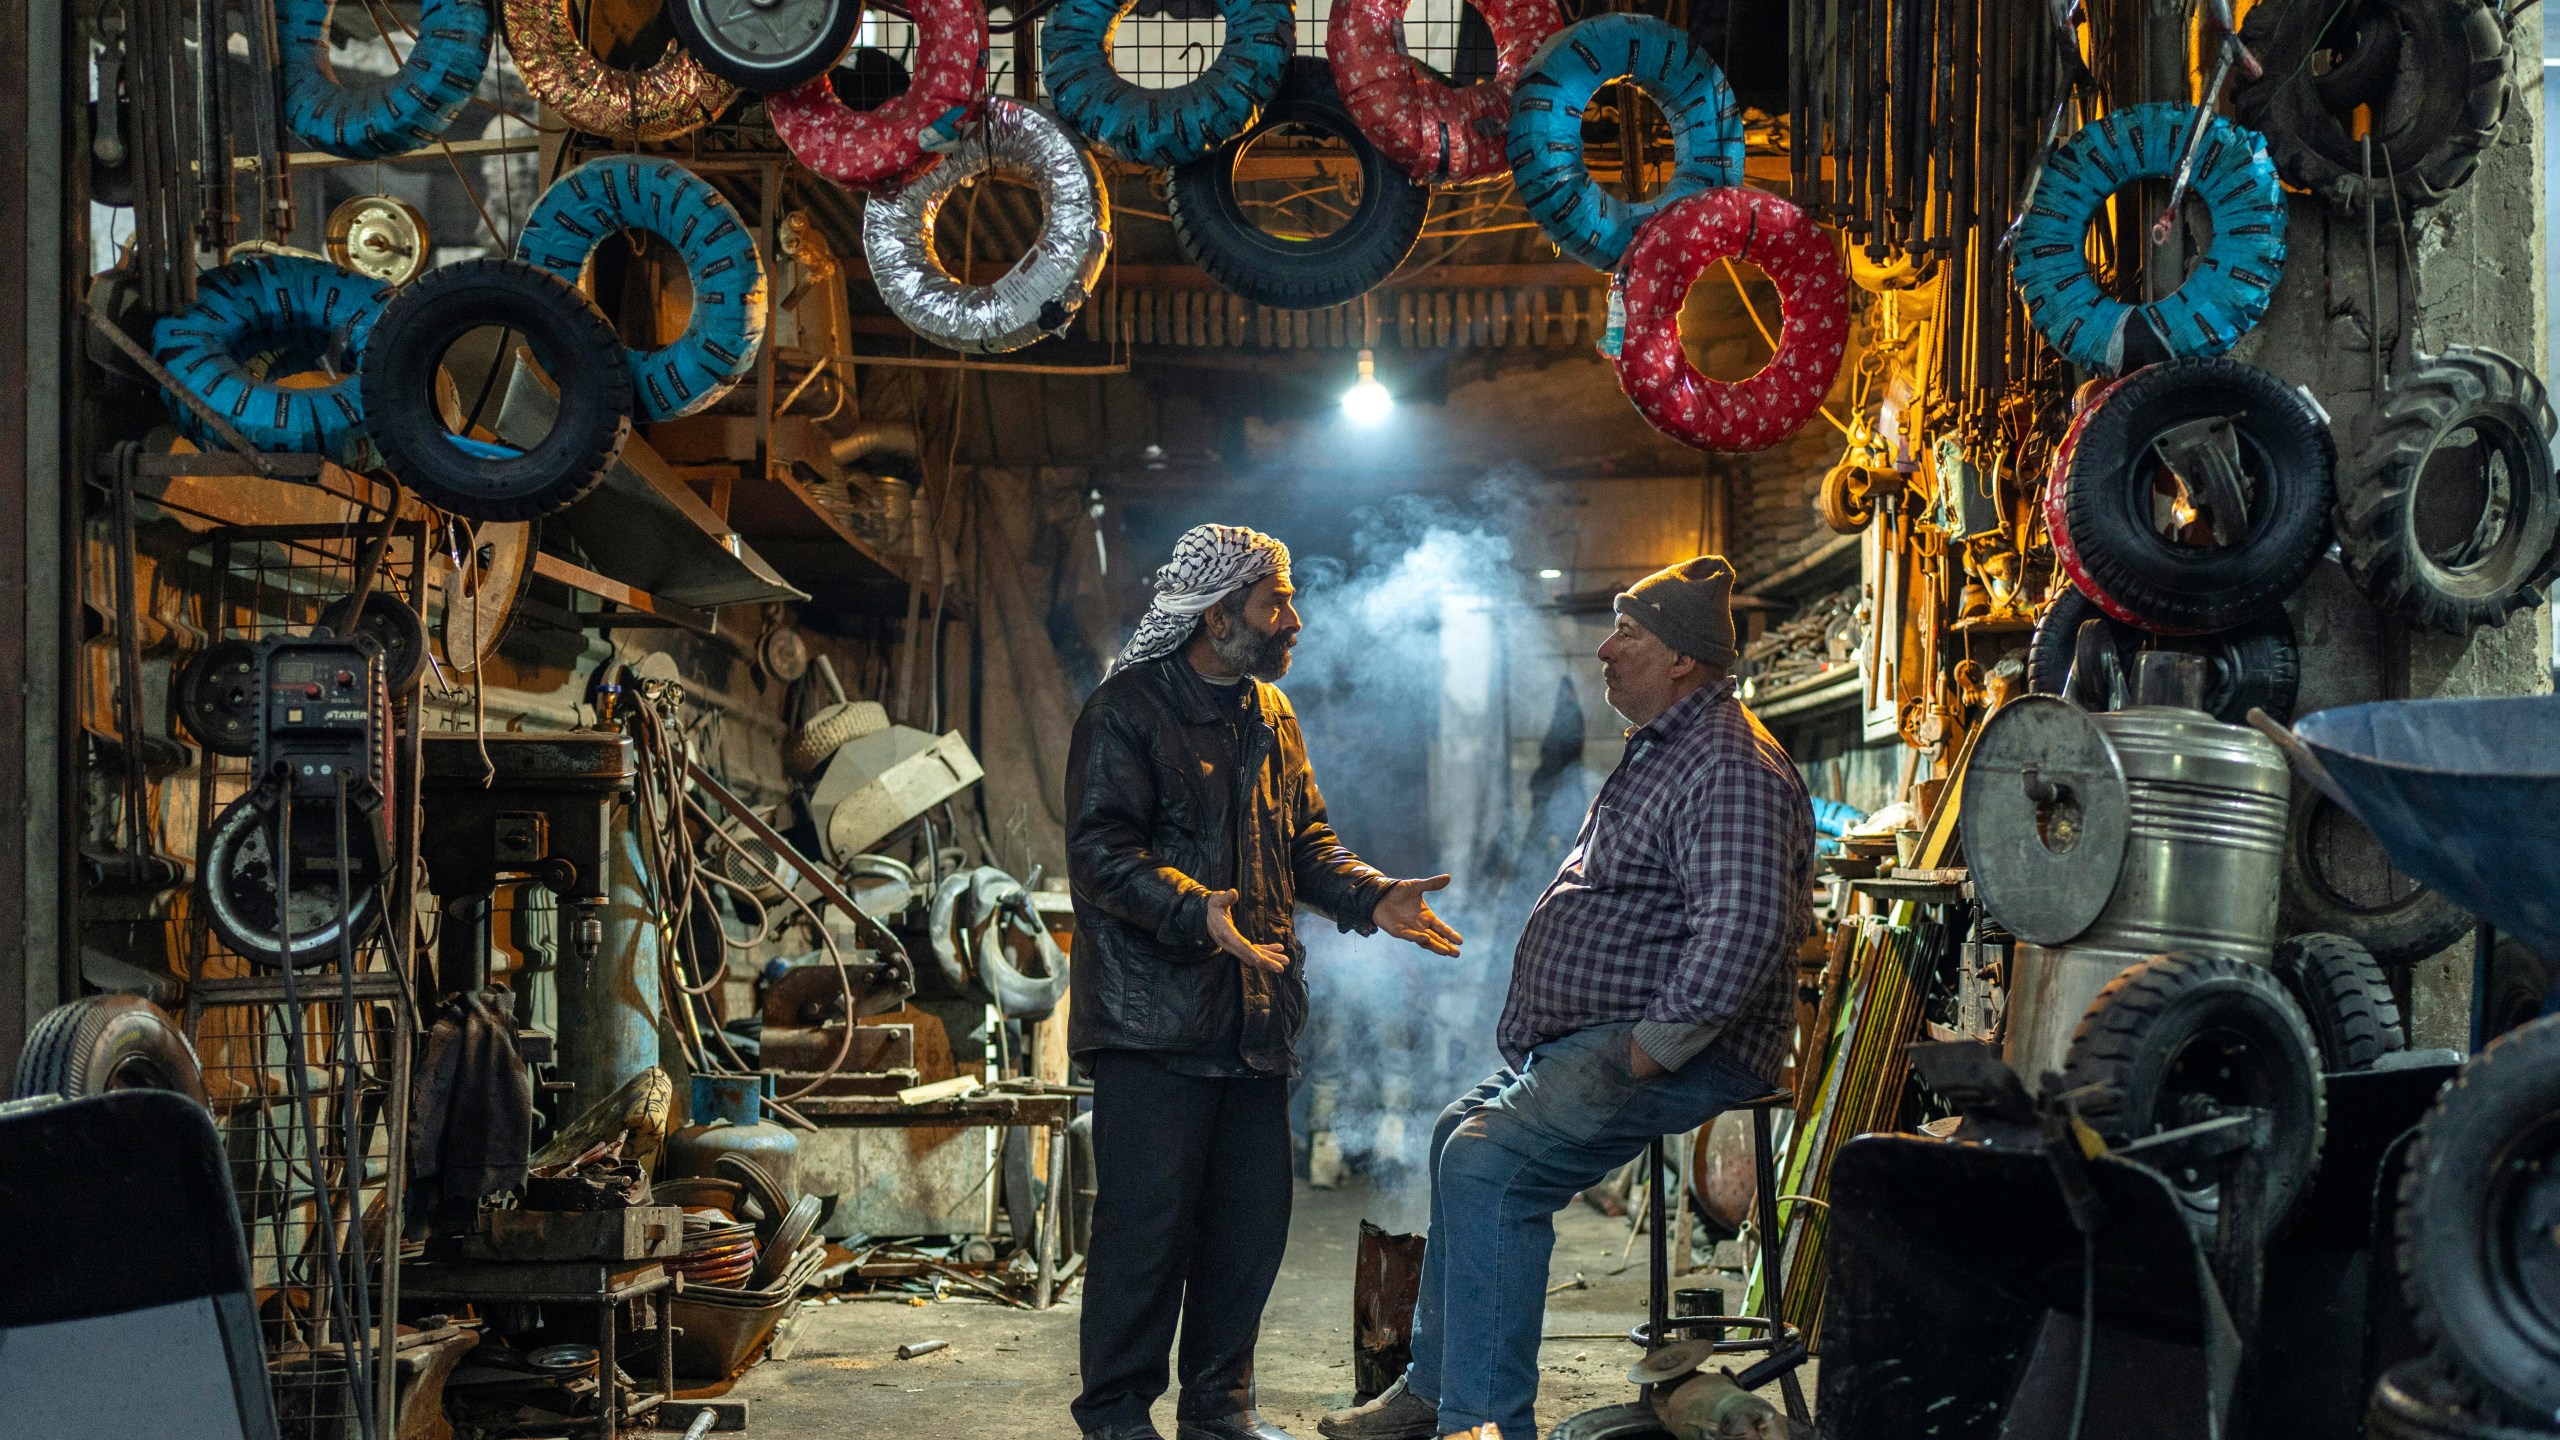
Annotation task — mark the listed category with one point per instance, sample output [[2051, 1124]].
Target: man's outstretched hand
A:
[[1224, 934], [1403, 913]]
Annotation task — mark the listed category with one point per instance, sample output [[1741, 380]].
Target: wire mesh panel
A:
[[310, 1096], [306, 1068], [1165, 43]]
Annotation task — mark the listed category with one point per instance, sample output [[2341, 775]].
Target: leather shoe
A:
[[1396, 1414], [1242, 1425], [1128, 1430]]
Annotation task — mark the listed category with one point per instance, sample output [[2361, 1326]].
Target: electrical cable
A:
[[2088, 1328]]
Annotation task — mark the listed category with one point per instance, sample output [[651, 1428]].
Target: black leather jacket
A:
[[1177, 787]]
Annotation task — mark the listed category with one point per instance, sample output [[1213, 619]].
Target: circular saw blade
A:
[[2046, 818]]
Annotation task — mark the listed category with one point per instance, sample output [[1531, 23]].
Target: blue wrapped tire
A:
[[1164, 128], [381, 115], [296, 313], [664, 199], [1585, 221], [2225, 293]]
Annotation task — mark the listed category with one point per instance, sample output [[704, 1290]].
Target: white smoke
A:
[[1430, 645]]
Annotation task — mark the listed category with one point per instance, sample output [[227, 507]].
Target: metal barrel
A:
[[2202, 871]]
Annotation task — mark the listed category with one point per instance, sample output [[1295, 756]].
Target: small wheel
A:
[[108, 1042], [2181, 1038], [2478, 1205], [393, 627], [1846, 505], [2342, 992], [218, 698], [766, 45]]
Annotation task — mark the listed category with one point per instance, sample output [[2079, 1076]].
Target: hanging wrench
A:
[[2232, 53]]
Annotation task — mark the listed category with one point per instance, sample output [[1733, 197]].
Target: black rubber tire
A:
[[244, 917], [397, 630], [570, 339], [2135, 573], [2478, 1203], [2342, 992], [2414, 1401], [2382, 520], [2443, 104], [2140, 1040], [108, 1042], [758, 76], [217, 698], [2257, 665], [2405, 924], [1216, 234], [2518, 981], [2365, 41], [1612, 1422]]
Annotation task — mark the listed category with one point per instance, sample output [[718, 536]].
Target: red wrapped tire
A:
[[871, 149], [1436, 132], [1676, 247]]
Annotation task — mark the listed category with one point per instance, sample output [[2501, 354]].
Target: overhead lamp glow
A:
[[1550, 574], [1367, 402]]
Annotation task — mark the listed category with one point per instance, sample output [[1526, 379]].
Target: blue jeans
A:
[[1504, 1159]]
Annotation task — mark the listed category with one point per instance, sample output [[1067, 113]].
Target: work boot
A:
[[1242, 1425], [1126, 1430], [1396, 1414]]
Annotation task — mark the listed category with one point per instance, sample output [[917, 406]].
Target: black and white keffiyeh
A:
[[1210, 562]]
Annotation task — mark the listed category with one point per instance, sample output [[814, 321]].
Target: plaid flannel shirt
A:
[[1682, 901]]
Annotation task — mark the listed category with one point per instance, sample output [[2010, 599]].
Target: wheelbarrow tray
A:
[[2464, 796]]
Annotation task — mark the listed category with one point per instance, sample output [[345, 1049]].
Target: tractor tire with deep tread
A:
[[2451, 60], [1213, 229], [2342, 992], [108, 1042], [2512, 547], [570, 339], [2478, 1202], [2140, 1034]]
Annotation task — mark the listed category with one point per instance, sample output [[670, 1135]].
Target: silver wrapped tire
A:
[[1043, 291]]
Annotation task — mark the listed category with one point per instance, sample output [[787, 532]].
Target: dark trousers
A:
[[1190, 1216]]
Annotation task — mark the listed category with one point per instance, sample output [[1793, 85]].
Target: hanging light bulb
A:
[[1367, 402]]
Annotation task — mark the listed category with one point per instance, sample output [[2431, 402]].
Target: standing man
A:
[[1648, 995], [1194, 831]]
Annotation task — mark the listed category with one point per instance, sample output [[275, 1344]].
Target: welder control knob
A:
[[312, 689], [346, 679]]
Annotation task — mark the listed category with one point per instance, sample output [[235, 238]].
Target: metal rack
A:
[[308, 1073]]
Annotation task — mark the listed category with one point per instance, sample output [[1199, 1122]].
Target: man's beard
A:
[[1264, 657]]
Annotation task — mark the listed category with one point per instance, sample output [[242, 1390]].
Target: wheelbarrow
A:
[[2463, 795]]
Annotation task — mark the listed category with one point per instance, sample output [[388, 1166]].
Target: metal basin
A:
[[2464, 795]]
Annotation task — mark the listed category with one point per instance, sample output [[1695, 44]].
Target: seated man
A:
[[1649, 993]]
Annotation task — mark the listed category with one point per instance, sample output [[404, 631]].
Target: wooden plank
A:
[[587, 582]]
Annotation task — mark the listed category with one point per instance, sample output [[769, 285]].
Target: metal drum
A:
[[2099, 840]]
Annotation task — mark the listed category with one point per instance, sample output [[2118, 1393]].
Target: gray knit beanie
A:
[[1689, 607]]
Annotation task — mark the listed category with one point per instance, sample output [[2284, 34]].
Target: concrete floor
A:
[[1012, 1372]]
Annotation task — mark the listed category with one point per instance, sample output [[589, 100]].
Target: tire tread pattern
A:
[[2444, 1251], [2343, 994]]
